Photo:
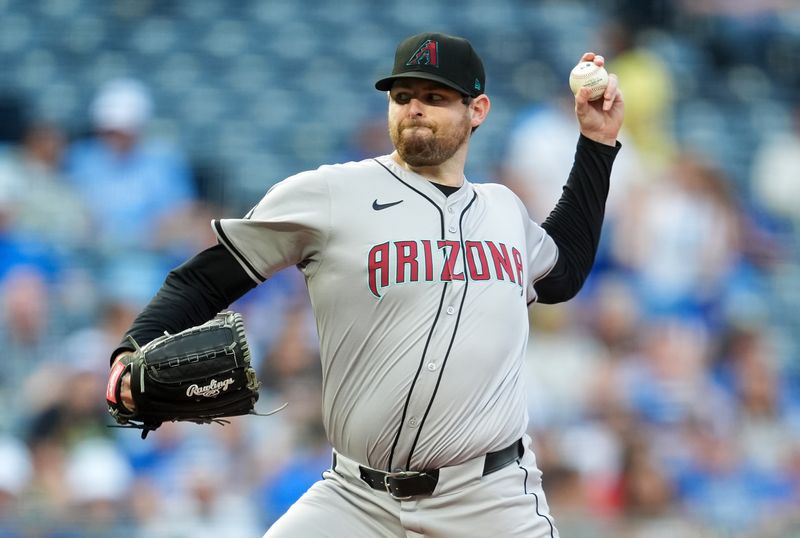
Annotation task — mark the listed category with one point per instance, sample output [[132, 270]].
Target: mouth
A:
[[416, 125], [415, 131]]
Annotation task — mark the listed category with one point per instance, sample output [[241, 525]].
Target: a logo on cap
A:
[[426, 54]]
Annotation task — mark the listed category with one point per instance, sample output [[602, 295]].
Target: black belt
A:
[[405, 484]]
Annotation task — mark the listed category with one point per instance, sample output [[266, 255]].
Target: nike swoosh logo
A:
[[377, 207]]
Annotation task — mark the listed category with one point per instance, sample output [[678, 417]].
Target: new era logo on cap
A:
[[443, 58]]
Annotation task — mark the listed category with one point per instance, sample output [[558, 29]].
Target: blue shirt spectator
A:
[[131, 185]]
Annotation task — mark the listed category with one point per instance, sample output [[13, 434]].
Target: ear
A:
[[479, 107]]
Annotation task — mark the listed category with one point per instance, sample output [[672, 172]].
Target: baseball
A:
[[589, 75]]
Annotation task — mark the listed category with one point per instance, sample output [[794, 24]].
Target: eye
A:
[[435, 98], [401, 97]]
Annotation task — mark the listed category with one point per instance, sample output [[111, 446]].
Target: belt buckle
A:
[[398, 475]]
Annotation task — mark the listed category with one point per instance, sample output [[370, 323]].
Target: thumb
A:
[[583, 107]]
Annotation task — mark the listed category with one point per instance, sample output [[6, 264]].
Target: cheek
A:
[[393, 119]]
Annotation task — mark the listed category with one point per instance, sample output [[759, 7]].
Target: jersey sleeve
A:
[[542, 254], [289, 226]]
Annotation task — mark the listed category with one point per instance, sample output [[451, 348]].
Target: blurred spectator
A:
[[749, 370], [201, 507], [27, 333], [74, 412], [667, 382], [739, 31], [295, 355], [540, 152], [146, 216], [649, 87], [35, 199], [98, 479], [308, 455], [370, 138], [291, 372], [558, 388], [774, 172], [647, 493], [16, 471], [567, 497], [134, 187], [91, 346], [720, 488], [680, 238], [267, 309]]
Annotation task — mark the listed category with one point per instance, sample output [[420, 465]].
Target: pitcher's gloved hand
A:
[[202, 375]]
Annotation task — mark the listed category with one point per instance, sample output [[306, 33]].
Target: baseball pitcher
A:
[[420, 283]]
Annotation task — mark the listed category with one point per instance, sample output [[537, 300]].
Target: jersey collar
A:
[[424, 185]]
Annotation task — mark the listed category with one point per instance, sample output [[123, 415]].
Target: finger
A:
[[125, 393], [592, 57], [611, 91]]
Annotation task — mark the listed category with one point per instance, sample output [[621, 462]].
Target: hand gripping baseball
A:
[[202, 375], [600, 120]]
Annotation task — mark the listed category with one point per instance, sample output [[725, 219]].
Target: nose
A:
[[415, 107]]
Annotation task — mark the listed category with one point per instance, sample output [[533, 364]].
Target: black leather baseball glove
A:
[[201, 375]]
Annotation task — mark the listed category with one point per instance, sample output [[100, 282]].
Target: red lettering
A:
[[399, 262], [502, 262], [476, 246], [378, 261], [451, 257], [518, 264], [407, 255], [426, 246]]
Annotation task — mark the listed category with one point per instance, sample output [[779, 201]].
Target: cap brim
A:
[[385, 84]]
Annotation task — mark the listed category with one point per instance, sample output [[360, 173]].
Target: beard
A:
[[421, 143]]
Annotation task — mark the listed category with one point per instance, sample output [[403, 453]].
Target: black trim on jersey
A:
[[416, 377], [235, 251], [191, 294], [447, 190], [536, 497], [576, 221], [455, 329], [433, 326]]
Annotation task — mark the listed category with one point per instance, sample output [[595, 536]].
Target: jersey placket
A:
[[432, 367]]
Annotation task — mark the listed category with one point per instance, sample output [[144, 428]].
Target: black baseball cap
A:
[[442, 58]]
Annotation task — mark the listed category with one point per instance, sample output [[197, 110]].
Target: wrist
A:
[[601, 139], [116, 358]]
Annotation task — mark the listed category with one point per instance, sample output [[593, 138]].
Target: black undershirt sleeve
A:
[[575, 222], [192, 294]]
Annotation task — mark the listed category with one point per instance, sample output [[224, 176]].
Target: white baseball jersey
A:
[[420, 301]]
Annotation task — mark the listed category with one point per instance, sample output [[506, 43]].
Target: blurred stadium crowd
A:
[[664, 399]]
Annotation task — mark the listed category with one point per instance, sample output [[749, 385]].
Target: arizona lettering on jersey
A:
[[395, 262]]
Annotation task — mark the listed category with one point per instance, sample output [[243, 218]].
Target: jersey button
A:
[[451, 310], [451, 210], [412, 422], [431, 366], [452, 229]]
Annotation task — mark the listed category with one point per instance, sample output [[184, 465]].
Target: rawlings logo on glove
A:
[[210, 390], [201, 375]]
